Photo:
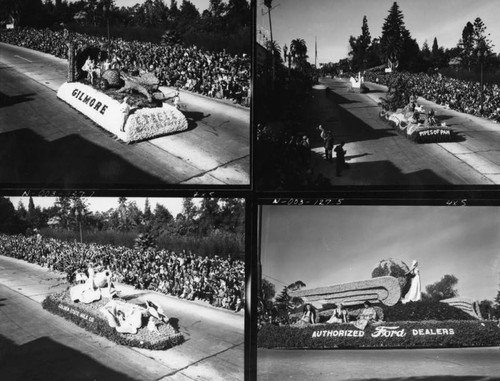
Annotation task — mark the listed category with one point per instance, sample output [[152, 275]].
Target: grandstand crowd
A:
[[218, 281], [213, 74], [460, 95]]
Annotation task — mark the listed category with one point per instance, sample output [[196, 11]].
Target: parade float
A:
[[400, 318], [358, 84], [131, 107], [401, 110], [92, 303]]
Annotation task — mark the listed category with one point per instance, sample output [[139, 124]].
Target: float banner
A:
[[97, 106], [384, 331], [400, 334], [140, 124]]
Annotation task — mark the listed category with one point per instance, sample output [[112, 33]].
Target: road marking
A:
[[23, 58]]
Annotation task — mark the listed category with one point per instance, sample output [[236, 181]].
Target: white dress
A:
[[414, 294]]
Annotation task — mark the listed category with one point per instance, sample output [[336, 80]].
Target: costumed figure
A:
[[95, 286], [125, 109], [86, 292], [90, 67], [308, 315], [414, 294], [177, 99], [367, 315], [124, 317], [339, 315], [431, 119]]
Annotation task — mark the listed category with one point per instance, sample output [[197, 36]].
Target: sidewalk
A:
[[214, 347]]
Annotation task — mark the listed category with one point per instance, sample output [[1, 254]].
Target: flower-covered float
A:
[[402, 112], [129, 106], [93, 304], [386, 311]]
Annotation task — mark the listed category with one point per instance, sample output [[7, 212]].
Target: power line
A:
[[276, 280]]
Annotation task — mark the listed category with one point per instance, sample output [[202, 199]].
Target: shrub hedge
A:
[[421, 311], [96, 324], [402, 334]]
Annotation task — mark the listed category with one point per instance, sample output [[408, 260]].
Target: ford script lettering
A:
[[388, 332]]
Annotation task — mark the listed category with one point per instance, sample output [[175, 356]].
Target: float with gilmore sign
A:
[[129, 106]]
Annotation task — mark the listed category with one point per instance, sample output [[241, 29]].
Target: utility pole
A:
[[269, 5]]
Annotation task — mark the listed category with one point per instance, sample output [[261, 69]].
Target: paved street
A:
[[51, 143], [379, 156], [57, 349], [459, 364]]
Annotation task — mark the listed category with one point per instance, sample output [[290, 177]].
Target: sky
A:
[[103, 204], [323, 246], [333, 21]]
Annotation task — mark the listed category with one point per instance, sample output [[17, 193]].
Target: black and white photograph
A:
[[116, 288], [125, 93], [379, 292], [377, 93]]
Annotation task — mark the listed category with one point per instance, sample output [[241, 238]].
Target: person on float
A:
[[414, 294], [177, 99], [367, 315], [308, 315], [339, 315]]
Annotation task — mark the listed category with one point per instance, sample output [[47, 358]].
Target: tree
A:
[[360, 47], [9, 221], [486, 308], [392, 40], [22, 213], [209, 218], [482, 45], [466, 44], [63, 205], [496, 305], [435, 47], [297, 285], [216, 8], [188, 15], [188, 208], [31, 210], [161, 219], [282, 301], [268, 290], [443, 289], [147, 210], [298, 50]]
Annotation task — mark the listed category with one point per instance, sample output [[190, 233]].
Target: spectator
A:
[[214, 74]]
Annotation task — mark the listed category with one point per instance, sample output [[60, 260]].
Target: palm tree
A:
[[298, 50], [273, 46]]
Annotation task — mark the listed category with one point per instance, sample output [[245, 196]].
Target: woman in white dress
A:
[[414, 294], [339, 315]]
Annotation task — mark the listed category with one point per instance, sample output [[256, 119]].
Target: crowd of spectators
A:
[[216, 280], [456, 94], [213, 74]]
